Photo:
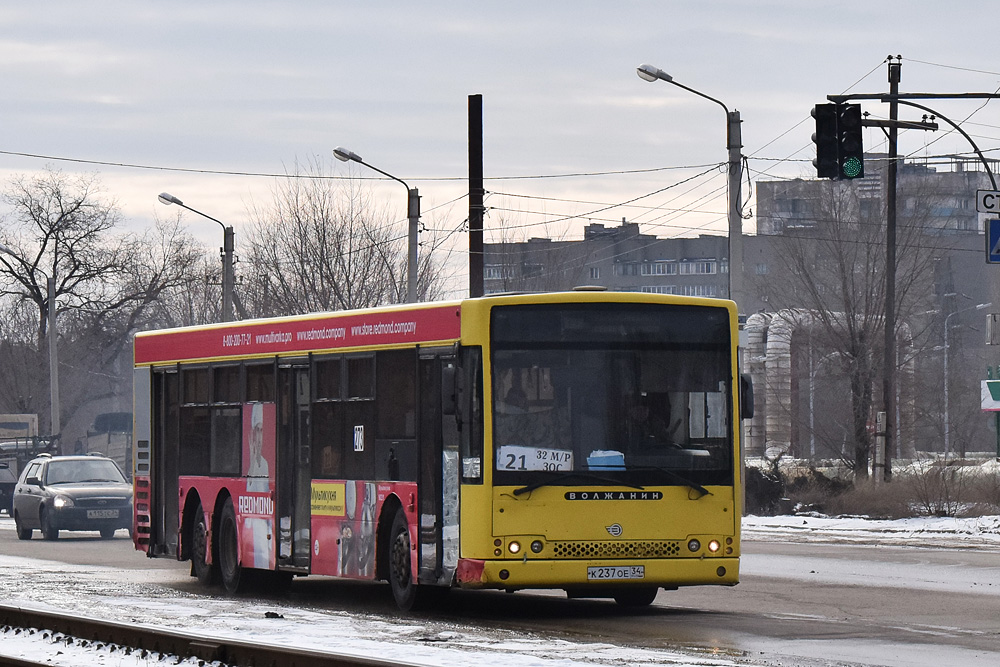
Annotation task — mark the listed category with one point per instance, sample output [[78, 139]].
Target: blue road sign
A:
[[993, 241]]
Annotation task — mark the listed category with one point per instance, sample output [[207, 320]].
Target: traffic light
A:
[[827, 160], [851, 154]]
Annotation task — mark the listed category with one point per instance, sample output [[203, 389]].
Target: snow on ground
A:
[[130, 596], [946, 532]]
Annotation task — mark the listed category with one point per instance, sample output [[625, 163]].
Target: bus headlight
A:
[[714, 546], [514, 547], [537, 546], [694, 545]]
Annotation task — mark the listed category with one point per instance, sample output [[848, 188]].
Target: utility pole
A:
[[889, 361], [228, 275], [475, 195], [734, 141]]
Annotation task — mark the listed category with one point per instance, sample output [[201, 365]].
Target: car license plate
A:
[[102, 514], [609, 573]]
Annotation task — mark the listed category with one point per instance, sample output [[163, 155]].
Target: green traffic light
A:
[[852, 167]]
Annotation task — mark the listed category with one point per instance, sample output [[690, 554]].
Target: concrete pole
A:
[[413, 214], [228, 277], [734, 143]]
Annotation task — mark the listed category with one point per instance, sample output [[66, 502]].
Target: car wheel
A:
[[235, 578], [636, 597], [22, 532], [49, 532], [207, 573], [107, 533]]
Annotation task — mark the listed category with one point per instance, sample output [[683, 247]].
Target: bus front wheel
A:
[[234, 577], [636, 597]]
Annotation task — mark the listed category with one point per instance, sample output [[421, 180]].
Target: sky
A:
[[212, 101]]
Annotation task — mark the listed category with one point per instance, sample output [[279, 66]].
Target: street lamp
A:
[[54, 408], [228, 245], [947, 423], [412, 213], [734, 144]]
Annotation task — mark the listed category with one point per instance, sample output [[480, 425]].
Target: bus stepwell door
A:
[[293, 468], [438, 456]]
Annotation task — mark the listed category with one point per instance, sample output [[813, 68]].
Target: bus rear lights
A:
[[514, 547], [537, 546], [714, 546], [694, 545]]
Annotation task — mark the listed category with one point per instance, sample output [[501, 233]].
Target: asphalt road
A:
[[797, 604]]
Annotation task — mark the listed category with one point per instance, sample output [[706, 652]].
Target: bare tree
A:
[[105, 284], [324, 244], [834, 268]]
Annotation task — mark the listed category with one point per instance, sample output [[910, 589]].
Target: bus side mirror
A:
[[746, 397]]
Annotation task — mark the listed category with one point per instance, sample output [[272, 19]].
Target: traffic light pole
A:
[[894, 99], [889, 360]]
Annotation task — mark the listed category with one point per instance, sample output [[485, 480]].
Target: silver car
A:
[[57, 493]]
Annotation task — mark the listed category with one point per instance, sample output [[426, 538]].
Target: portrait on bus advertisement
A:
[[257, 507], [258, 446]]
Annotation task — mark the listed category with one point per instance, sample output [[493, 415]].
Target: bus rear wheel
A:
[[235, 578], [636, 597], [207, 573], [401, 579]]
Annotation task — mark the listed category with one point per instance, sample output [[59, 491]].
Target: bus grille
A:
[[616, 549]]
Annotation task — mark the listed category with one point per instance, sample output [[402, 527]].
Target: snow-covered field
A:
[[128, 596]]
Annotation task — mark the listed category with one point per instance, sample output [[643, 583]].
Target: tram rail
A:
[[131, 638]]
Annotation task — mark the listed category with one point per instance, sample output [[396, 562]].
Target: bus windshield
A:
[[636, 394]]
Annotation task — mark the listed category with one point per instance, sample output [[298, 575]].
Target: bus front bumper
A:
[[540, 573]]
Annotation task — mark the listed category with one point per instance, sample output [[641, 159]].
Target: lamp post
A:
[[733, 144], [228, 245], [54, 407], [947, 324], [412, 214]]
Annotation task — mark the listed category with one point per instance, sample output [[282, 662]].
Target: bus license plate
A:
[[102, 514], [607, 573]]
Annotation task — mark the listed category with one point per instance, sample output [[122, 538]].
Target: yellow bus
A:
[[585, 441]]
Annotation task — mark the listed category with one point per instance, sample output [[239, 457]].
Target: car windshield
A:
[[634, 393], [76, 471]]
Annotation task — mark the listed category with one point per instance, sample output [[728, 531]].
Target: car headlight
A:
[[61, 502]]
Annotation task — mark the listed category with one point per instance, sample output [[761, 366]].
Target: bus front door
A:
[[294, 474], [438, 460]]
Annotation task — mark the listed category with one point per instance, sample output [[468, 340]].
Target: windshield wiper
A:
[[570, 475], [677, 478]]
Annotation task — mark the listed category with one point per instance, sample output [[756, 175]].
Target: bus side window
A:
[[327, 419]]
